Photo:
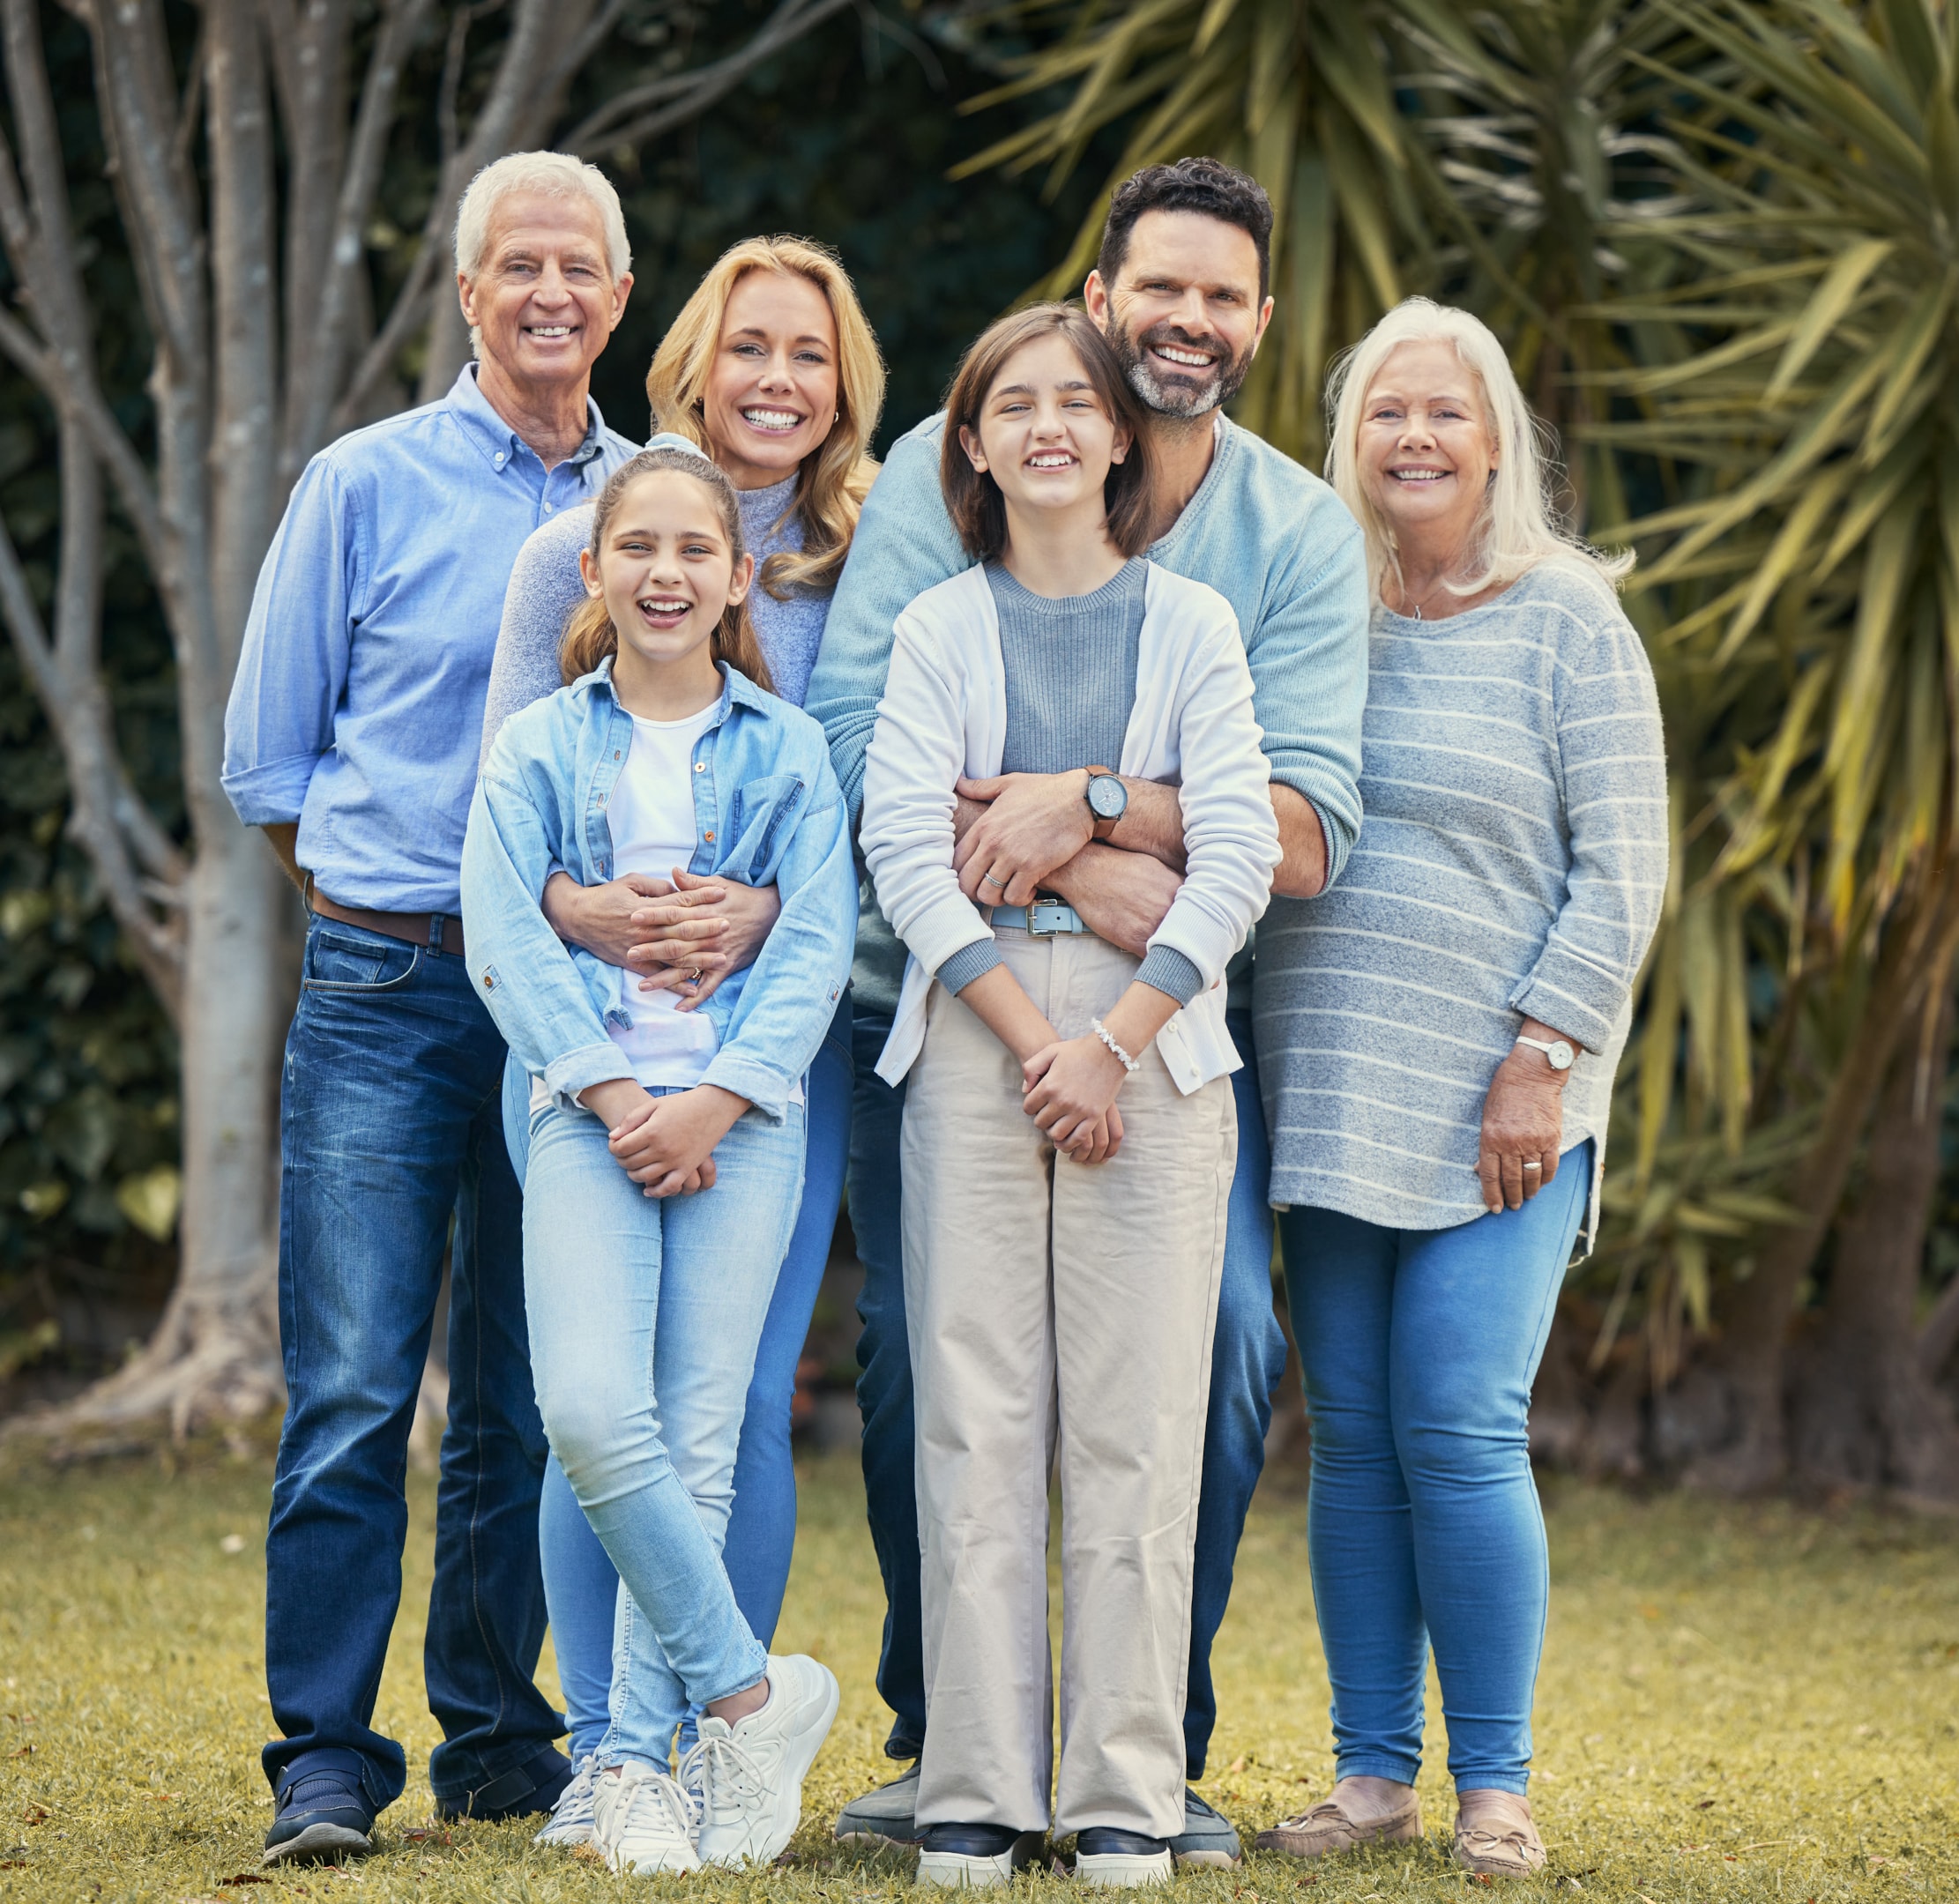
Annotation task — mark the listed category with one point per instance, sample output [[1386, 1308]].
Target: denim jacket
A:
[[767, 811]]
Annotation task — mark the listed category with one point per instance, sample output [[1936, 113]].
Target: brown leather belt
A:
[[412, 928]]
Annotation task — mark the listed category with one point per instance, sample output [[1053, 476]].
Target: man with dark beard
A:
[[1181, 288]]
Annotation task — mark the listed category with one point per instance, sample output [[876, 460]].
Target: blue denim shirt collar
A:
[[500, 443], [736, 689]]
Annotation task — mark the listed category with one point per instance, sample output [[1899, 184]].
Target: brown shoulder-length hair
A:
[[589, 635], [837, 475], [972, 498]]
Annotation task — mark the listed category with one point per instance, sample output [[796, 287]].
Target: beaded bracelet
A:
[[1122, 1057]]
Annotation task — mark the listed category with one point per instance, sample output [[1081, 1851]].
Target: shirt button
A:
[[615, 753], [601, 799], [700, 766], [709, 836], [499, 458], [546, 509]]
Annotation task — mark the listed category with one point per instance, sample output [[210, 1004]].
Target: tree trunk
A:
[[1863, 1413], [1749, 1365]]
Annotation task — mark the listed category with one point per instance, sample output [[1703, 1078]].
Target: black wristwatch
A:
[[1108, 799]]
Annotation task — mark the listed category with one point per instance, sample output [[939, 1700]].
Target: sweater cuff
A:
[[967, 963], [1170, 972]]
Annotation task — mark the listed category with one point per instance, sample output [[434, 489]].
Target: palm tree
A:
[[1717, 236], [1812, 565]]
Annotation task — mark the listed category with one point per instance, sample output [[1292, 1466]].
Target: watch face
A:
[[1107, 797], [1560, 1055]]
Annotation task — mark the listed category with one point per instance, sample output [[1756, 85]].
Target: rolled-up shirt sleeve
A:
[[293, 665], [1613, 761]]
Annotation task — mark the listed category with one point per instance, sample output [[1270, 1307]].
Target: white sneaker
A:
[[643, 1821], [570, 1823], [750, 1774]]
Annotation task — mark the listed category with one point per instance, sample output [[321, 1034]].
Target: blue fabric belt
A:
[[1046, 918]]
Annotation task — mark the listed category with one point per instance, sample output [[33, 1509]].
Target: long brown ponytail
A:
[[589, 635]]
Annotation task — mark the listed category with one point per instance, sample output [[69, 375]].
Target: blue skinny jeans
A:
[[580, 1583], [644, 1318], [1419, 1348], [1247, 1358]]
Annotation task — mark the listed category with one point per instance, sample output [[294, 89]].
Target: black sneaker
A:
[[1121, 1860], [323, 1817], [534, 1787], [970, 1858]]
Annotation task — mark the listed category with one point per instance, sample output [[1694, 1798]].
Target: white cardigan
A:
[[944, 713]]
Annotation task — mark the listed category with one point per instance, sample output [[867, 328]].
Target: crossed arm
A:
[[1035, 827]]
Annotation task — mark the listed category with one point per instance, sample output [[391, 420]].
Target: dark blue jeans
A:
[[1247, 1358], [391, 1124]]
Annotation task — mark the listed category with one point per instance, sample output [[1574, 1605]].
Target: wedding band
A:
[[1533, 1164], [987, 879], [694, 978]]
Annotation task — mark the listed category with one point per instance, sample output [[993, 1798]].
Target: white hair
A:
[[552, 175], [1519, 526]]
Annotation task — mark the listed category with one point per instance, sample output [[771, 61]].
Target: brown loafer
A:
[[1502, 1841], [1326, 1829]]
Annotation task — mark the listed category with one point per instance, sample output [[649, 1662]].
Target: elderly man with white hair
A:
[[352, 739]]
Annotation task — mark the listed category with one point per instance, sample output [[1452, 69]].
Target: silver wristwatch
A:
[[1558, 1053]]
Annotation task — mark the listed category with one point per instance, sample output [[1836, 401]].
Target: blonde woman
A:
[[770, 370], [1449, 1017]]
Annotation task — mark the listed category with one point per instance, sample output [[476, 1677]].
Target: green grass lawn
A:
[[1746, 1704]]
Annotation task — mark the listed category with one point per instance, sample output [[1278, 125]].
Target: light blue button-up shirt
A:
[[358, 706]]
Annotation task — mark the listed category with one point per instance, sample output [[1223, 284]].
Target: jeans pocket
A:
[[340, 959]]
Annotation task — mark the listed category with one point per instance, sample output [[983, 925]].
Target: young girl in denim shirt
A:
[[666, 1144]]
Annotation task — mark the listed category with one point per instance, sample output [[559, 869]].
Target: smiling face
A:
[[1184, 315], [543, 301], [666, 571], [1427, 449], [1045, 435], [771, 393]]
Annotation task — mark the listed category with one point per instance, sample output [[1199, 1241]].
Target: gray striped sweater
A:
[[1511, 863]]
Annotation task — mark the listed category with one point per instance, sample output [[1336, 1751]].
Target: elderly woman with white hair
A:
[[1451, 1016]]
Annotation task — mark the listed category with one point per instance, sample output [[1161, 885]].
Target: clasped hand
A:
[[667, 931], [1069, 1089], [1033, 824], [664, 1144]]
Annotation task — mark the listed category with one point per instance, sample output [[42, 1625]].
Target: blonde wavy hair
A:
[[1521, 524], [837, 475]]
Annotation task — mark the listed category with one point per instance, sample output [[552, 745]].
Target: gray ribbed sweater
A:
[[1070, 663], [1511, 863]]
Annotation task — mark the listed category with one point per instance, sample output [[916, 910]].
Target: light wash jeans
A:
[[644, 1317], [1418, 1348], [580, 1582]]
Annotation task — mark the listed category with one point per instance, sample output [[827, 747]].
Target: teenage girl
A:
[[770, 367], [1070, 1138], [665, 1146]]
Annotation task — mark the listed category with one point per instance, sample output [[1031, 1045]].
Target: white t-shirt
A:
[[652, 813]]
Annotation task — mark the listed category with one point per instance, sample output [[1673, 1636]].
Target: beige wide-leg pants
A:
[[1043, 1295]]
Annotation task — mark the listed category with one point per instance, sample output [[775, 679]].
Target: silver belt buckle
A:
[[1049, 918]]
